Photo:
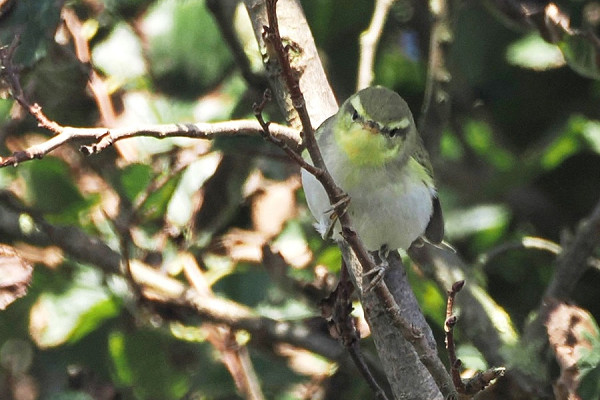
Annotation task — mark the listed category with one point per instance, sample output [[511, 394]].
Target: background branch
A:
[[369, 40]]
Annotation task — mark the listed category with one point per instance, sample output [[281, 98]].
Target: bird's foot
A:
[[381, 265], [339, 208]]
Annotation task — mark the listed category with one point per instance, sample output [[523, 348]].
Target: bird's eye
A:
[[354, 115], [395, 131]]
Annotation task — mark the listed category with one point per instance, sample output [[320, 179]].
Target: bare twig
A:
[[480, 381], [489, 328], [570, 266], [369, 40], [104, 137], [10, 74], [451, 320], [266, 133], [526, 242]]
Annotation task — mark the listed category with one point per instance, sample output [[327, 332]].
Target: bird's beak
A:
[[372, 127]]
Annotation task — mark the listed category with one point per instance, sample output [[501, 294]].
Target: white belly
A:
[[385, 208]]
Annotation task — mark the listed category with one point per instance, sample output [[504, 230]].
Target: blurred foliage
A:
[[519, 157]]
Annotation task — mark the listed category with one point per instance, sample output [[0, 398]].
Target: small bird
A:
[[374, 152]]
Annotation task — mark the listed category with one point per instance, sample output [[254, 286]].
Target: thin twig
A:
[[451, 320], [223, 11], [526, 242], [266, 134], [369, 39], [104, 137], [10, 73], [481, 380]]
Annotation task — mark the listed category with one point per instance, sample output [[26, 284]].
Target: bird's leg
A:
[[338, 208], [377, 274]]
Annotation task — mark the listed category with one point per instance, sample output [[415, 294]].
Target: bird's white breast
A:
[[388, 206]]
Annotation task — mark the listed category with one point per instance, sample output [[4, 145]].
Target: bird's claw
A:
[[338, 208]]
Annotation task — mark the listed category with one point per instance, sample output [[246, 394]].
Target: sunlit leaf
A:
[[68, 315], [181, 204], [579, 132], [120, 55], [461, 223], [533, 52], [471, 357]]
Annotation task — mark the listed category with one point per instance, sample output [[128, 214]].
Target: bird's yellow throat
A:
[[364, 147]]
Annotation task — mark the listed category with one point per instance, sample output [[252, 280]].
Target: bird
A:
[[374, 153]]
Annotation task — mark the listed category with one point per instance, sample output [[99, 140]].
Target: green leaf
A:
[[589, 364], [186, 52], [479, 136], [581, 55], [533, 52], [429, 297], [450, 146], [36, 21], [134, 179], [77, 309], [579, 132], [120, 55], [51, 190], [471, 357], [140, 361], [157, 203]]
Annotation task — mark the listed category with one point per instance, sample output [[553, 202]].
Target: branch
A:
[[451, 320], [368, 42], [19, 223], [436, 103], [105, 137], [223, 11], [571, 264]]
